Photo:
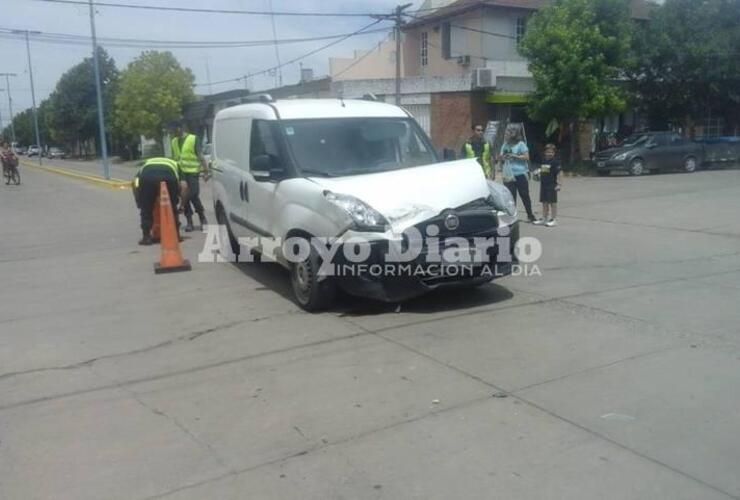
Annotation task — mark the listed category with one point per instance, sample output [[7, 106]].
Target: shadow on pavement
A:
[[275, 278], [440, 300]]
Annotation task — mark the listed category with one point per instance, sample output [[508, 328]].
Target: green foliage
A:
[[24, 129], [576, 49], [685, 61], [73, 108], [152, 90]]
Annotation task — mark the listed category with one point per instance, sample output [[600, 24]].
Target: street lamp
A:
[[1, 121], [10, 102], [99, 94], [33, 92]]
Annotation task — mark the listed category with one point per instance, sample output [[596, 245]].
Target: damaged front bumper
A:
[[384, 279]]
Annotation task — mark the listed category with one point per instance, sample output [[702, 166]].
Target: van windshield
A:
[[351, 146]]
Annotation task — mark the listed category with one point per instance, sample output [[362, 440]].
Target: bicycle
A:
[[11, 174]]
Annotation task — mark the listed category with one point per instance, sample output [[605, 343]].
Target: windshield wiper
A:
[[313, 171]]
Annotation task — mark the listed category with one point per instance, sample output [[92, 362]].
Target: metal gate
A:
[[422, 114]]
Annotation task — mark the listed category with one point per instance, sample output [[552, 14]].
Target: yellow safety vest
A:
[[484, 160], [186, 157], [166, 162]]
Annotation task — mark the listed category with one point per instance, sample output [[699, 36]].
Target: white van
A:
[[359, 174]]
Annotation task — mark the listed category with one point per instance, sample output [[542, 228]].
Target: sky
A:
[[51, 61]]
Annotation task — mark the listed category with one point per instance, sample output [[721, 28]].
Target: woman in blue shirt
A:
[[515, 154]]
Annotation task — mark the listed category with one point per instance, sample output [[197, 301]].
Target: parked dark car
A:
[[57, 153], [651, 151]]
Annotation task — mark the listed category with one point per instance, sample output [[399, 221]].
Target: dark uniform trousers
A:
[[149, 180], [192, 198]]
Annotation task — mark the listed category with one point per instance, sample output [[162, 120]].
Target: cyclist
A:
[[10, 164]]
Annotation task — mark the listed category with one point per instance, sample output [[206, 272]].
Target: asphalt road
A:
[[614, 375]]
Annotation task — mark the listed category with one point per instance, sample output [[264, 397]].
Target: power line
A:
[[432, 44], [361, 31], [483, 32], [466, 28], [358, 61], [211, 11], [70, 39]]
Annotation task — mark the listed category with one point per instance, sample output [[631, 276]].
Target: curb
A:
[[94, 179]]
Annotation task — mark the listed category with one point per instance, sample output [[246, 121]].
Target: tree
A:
[[152, 91], [24, 129], [577, 50], [684, 62], [73, 106]]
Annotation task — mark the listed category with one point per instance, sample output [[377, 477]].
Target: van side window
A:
[[263, 141]]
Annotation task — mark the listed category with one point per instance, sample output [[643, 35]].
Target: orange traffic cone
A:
[[171, 259], [156, 235]]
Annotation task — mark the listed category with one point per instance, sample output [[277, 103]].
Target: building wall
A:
[[462, 43], [453, 114], [379, 62], [501, 21]]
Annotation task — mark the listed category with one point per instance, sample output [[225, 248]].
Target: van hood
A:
[[410, 195]]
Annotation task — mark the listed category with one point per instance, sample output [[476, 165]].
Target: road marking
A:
[[110, 183]]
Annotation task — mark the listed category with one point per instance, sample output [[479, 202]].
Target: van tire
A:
[[223, 220], [310, 293]]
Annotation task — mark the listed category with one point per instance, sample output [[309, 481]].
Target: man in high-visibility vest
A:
[[146, 191], [187, 152], [478, 147]]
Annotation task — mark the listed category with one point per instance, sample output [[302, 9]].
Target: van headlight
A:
[[503, 201], [365, 217]]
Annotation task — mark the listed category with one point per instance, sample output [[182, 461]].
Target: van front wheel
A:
[[312, 292]]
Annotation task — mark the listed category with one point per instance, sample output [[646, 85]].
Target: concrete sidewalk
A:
[[611, 376]]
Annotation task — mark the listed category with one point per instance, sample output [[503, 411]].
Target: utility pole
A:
[[397, 17], [279, 73], [208, 75], [10, 102], [33, 92], [101, 118]]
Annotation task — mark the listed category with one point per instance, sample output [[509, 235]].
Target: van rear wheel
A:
[[312, 292], [223, 221]]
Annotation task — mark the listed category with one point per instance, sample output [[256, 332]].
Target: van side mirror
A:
[[449, 154], [265, 168]]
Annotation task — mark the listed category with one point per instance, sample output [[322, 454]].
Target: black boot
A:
[[189, 226], [146, 239], [203, 221]]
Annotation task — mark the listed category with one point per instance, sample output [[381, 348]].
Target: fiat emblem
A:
[[452, 222]]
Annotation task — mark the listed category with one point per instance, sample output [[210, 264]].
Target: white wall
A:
[[497, 48]]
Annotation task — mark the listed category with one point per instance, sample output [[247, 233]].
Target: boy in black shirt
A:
[[551, 179]]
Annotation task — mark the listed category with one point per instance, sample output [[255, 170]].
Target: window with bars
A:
[[521, 27], [424, 48]]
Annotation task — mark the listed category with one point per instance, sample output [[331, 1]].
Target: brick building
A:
[[461, 65]]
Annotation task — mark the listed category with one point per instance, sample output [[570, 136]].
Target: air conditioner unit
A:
[[463, 60], [483, 78]]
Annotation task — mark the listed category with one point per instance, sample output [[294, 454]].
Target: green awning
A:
[[506, 98]]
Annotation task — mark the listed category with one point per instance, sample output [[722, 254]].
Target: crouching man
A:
[[146, 186]]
